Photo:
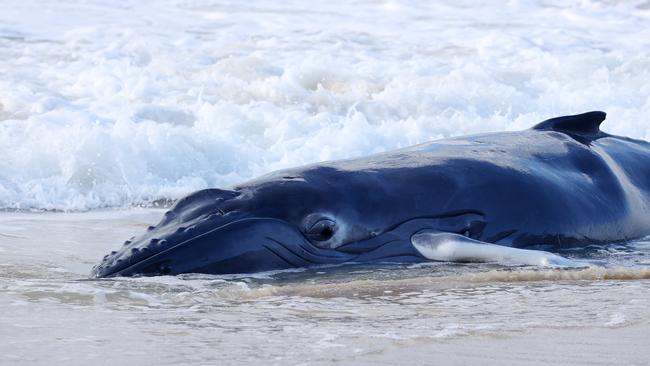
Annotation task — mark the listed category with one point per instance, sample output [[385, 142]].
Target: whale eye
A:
[[321, 230]]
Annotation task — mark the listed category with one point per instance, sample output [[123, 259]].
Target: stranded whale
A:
[[561, 183]]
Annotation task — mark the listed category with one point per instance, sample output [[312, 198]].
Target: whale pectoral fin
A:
[[583, 124], [450, 247]]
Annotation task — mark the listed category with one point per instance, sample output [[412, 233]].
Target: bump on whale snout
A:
[[200, 203]]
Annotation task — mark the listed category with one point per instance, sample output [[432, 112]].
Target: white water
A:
[[105, 104]]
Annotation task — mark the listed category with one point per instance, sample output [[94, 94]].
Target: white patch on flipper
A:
[[449, 247]]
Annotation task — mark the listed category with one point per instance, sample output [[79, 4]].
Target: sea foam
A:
[[105, 105]]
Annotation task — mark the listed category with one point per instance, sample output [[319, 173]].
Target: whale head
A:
[[288, 219]]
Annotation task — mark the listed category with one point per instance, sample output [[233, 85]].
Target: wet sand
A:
[[627, 345]]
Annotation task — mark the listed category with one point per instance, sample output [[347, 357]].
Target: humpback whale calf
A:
[[512, 195]]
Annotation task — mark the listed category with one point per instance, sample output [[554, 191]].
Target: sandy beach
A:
[[626, 345]]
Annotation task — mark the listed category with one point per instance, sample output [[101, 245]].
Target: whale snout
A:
[[243, 246], [132, 255]]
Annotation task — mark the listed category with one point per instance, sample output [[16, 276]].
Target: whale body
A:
[[562, 183]]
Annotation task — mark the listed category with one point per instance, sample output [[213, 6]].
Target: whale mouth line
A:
[[310, 255], [278, 255], [291, 251]]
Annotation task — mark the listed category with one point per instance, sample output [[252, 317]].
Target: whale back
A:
[[563, 181]]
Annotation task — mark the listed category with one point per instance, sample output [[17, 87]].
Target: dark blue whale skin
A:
[[563, 183]]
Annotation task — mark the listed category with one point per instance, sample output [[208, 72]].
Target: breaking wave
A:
[[115, 106]]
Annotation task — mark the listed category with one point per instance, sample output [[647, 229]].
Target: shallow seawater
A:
[[51, 312]]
